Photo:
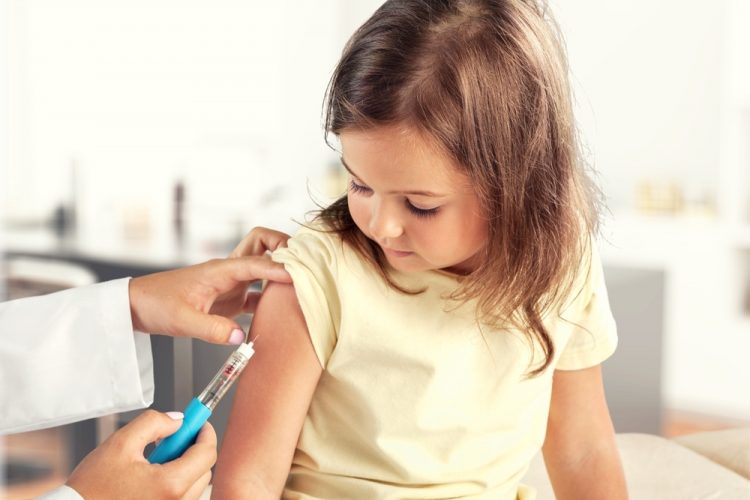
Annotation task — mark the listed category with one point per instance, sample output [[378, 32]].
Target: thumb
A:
[[198, 459], [209, 327], [148, 427], [245, 269]]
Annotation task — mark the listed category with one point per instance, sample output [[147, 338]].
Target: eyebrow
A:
[[419, 193]]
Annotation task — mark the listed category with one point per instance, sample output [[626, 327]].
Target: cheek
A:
[[477, 230], [474, 225], [475, 234], [440, 241], [359, 212], [462, 237]]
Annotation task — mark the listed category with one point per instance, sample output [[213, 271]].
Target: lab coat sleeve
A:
[[61, 493], [70, 356]]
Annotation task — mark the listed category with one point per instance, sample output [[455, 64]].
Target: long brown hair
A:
[[488, 81]]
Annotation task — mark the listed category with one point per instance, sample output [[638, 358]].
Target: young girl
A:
[[448, 315]]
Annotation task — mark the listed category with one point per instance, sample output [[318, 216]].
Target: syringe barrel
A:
[[223, 380]]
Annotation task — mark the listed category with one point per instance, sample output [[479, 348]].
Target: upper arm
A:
[[578, 416], [272, 400], [580, 451]]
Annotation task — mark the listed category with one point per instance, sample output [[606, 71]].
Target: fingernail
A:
[[175, 415], [237, 337]]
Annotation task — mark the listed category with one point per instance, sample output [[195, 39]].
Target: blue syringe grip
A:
[[175, 445]]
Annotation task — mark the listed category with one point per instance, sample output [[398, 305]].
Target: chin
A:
[[415, 266]]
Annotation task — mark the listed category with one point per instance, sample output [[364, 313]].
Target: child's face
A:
[[408, 197]]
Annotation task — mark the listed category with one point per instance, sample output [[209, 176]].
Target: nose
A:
[[384, 222]]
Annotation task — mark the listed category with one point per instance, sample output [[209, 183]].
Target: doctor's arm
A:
[[580, 451], [271, 403], [75, 354], [197, 301], [80, 353]]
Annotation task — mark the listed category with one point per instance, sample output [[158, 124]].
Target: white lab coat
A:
[[70, 356]]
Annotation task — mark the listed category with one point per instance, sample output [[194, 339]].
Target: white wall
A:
[[3, 164], [4, 99], [647, 77], [226, 95]]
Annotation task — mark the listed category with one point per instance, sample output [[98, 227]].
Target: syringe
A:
[[200, 408]]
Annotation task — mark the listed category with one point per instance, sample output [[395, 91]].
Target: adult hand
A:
[[197, 301], [258, 241], [118, 469]]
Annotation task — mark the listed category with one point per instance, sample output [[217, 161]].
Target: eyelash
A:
[[357, 188], [419, 212]]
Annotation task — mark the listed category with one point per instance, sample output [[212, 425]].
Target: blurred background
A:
[[145, 135]]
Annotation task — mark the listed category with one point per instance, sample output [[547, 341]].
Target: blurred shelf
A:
[[651, 240], [40, 462], [96, 251]]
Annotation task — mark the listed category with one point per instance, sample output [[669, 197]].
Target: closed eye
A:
[[421, 212], [358, 188]]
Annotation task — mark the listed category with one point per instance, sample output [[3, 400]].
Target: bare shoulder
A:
[[279, 323]]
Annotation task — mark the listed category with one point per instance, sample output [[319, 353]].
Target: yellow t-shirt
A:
[[416, 399]]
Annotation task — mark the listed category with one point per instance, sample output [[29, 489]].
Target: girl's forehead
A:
[[399, 152], [398, 136]]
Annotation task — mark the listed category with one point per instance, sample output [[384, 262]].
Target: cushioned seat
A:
[[730, 448], [661, 469], [658, 468]]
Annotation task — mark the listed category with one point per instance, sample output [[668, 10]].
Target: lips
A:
[[396, 253]]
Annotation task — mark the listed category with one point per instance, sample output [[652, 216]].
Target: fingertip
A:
[[281, 274], [151, 417], [281, 243], [207, 434], [237, 337], [215, 329], [265, 268]]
